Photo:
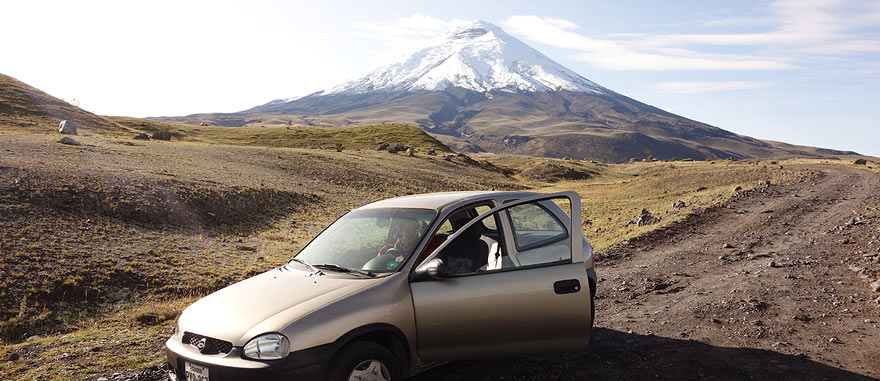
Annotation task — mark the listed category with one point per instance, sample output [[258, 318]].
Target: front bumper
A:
[[307, 364]]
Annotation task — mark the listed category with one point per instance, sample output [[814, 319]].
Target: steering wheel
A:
[[395, 252], [384, 262]]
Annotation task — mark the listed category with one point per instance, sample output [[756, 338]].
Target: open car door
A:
[[532, 297]]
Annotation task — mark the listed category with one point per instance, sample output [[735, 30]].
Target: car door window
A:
[[534, 225], [538, 234], [488, 233], [477, 249], [539, 237], [488, 223], [536, 231]]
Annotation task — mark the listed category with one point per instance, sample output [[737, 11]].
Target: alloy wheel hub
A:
[[370, 370]]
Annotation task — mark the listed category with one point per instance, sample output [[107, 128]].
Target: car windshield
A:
[[374, 240]]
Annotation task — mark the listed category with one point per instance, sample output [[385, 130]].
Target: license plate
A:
[[195, 372]]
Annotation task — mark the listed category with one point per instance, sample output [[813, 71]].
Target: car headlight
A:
[[271, 346], [176, 333]]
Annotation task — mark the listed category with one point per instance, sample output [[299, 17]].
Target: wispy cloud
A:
[[795, 30], [630, 54], [735, 21], [414, 26], [409, 32], [796, 24], [704, 87]]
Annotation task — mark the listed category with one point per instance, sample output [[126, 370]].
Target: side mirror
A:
[[434, 269]]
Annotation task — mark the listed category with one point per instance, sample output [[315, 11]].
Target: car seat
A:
[[468, 252]]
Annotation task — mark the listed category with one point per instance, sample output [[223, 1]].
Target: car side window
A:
[[445, 227], [457, 219], [538, 234], [533, 225], [488, 223], [540, 238], [478, 249]]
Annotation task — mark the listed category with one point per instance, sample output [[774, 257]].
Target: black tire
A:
[[592, 306], [592, 314], [356, 353]]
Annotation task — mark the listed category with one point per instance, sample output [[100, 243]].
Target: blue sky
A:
[[800, 71]]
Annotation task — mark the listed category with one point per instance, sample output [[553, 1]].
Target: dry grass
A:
[[88, 229], [23, 107], [613, 198], [128, 337], [871, 164], [348, 138]]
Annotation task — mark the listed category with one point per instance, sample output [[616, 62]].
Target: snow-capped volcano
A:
[[479, 57]]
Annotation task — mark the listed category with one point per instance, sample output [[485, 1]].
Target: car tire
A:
[[366, 359], [592, 314]]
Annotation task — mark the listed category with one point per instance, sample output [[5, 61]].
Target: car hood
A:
[[266, 303]]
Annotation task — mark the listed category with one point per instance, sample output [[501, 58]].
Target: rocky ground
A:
[[775, 284]]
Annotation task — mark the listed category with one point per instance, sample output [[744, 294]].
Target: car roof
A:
[[438, 201]]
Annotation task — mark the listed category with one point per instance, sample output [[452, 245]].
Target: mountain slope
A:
[[23, 106], [480, 89]]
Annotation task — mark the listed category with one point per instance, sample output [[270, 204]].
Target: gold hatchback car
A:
[[401, 285]]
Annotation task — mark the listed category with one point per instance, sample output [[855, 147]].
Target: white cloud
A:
[[819, 25], [563, 23], [407, 33], [628, 55], [735, 21], [415, 26], [703, 87], [797, 30]]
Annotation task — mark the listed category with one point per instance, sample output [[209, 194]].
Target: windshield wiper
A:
[[300, 261], [335, 267]]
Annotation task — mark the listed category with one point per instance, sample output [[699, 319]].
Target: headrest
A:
[[472, 233]]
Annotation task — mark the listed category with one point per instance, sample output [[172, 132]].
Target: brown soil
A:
[[762, 287]]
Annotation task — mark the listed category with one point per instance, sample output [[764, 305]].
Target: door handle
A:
[[568, 286]]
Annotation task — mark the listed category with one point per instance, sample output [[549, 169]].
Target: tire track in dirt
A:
[[758, 288]]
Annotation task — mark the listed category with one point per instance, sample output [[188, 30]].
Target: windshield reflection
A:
[[375, 240]]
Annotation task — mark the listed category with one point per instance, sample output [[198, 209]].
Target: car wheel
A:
[[364, 361]]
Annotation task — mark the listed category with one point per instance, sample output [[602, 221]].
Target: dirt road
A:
[[765, 287]]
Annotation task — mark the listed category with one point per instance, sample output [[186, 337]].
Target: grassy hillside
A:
[[23, 107], [356, 137], [87, 229], [27, 108]]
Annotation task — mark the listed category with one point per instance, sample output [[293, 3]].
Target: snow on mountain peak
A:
[[479, 57]]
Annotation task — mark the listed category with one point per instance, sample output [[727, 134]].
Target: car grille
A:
[[206, 345]]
